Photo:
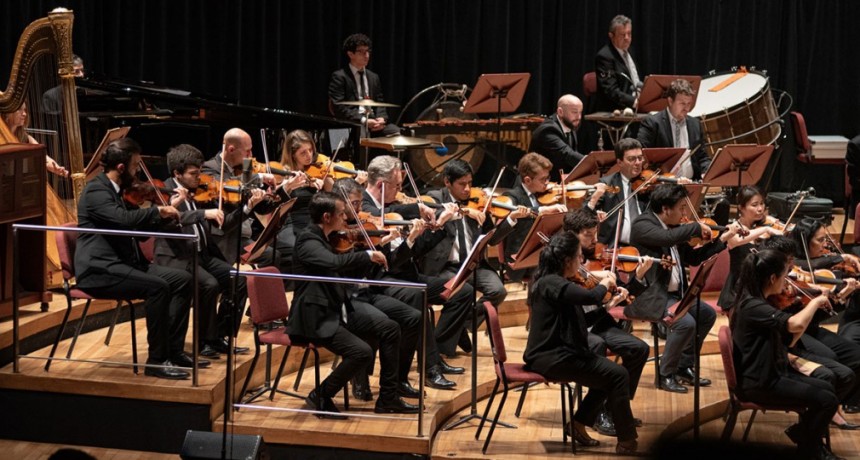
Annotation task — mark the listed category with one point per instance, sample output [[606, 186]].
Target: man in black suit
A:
[[658, 232], [555, 138], [618, 79], [213, 272], [628, 154], [114, 266], [356, 82], [325, 314], [673, 128]]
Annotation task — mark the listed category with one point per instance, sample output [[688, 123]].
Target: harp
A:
[[44, 44]]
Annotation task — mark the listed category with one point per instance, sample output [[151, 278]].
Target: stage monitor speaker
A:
[[200, 445]]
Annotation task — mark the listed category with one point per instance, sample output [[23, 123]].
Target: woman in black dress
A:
[[557, 345]]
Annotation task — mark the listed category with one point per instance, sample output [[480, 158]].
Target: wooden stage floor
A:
[[539, 429]]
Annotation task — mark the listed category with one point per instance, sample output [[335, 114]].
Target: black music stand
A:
[[498, 92], [94, 167], [652, 97], [470, 270], [591, 168], [269, 233], [544, 226], [738, 164]]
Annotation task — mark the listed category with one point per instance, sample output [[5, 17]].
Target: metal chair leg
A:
[[113, 322], [496, 418], [60, 332], [79, 328], [487, 409], [301, 369]]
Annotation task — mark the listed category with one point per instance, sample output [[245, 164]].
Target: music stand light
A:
[[591, 168], [738, 164], [652, 98]]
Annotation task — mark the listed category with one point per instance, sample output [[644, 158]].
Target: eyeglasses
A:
[[635, 159], [396, 186]]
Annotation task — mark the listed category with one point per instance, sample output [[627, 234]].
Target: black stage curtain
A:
[[272, 53]]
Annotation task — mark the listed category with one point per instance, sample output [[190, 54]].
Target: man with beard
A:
[[555, 138], [114, 266]]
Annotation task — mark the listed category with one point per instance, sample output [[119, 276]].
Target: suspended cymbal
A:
[[367, 103], [396, 142]]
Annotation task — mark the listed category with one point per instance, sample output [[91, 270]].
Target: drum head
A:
[[739, 91], [427, 164]]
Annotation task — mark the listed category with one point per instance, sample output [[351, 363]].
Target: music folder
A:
[[591, 168], [545, 225], [270, 232], [473, 258]]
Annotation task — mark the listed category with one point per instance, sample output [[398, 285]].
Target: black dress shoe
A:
[[394, 406], [794, 433], [637, 422], [361, 389], [845, 426], [604, 424], [580, 435], [438, 381], [851, 409], [183, 360], [465, 343], [171, 373], [668, 383], [406, 390], [446, 368], [825, 454], [221, 346], [686, 376], [209, 352], [326, 404]]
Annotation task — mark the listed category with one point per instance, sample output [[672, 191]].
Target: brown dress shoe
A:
[[580, 435]]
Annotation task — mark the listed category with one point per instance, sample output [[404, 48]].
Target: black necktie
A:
[[633, 207], [362, 88], [461, 239]]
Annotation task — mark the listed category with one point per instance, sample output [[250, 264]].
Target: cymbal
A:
[[367, 103], [396, 142]]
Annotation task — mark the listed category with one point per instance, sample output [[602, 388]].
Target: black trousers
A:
[[796, 389], [167, 299], [605, 381], [350, 342], [632, 350], [826, 344], [409, 320]]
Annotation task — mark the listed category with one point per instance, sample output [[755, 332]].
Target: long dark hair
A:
[[554, 256], [803, 233], [756, 269]]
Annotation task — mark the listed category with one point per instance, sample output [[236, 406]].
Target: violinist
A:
[[534, 170], [605, 333], [386, 171], [658, 232], [213, 271], [237, 146], [405, 305], [631, 161], [445, 258], [114, 266], [557, 346], [760, 333], [751, 211]]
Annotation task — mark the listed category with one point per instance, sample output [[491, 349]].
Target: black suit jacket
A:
[[316, 310], [102, 260], [549, 140], [656, 131], [342, 87], [614, 91], [651, 239], [433, 263], [515, 239], [608, 201], [177, 253]]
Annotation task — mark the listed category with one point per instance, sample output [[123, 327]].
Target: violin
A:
[[426, 200], [799, 293], [820, 279], [140, 192], [773, 222], [274, 168], [847, 269], [209, 189], [628, 258], [589, 281], [499, 207], [572, 192], [352, 238], [648, 175], [323, 167]]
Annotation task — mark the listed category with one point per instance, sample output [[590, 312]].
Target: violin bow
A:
[[493, 190], [617, 239], [633, 193], [563, 189], [802, 196], [265, 150], [152, 183], [331, 160], [411, 181], [354, 215], [221, 188]]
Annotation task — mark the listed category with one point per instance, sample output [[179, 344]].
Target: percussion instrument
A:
[[367, 103]]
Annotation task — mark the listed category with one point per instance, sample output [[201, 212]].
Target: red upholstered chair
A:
[[66, 245], [508, 373], [589, 84], [719, 273], [857, 224], [738, 404]]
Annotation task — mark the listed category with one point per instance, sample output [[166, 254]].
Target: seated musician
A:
[[405, 305], [557, 346], [534, 171], [213, 272], [759, 333], [326, 315], [631, 162], [456, 308], [17, 123], [659, 232], [674, 128], [114, 266], [751, 214], [555, 138], [604, 332]]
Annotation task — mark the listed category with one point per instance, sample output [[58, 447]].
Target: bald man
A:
[[556, 138]]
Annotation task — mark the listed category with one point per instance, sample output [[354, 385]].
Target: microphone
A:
[[246, 169]]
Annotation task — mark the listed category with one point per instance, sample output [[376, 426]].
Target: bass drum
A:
[[427, 164], [736, 108]]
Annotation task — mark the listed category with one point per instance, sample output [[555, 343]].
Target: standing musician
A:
[[618, 79], [557, 346], [555, 138], [213, 271], [631, 162], [605, 333], [759, 334], [114, 266], [326, 315], [448, 330], [660, 232], [534, 170]]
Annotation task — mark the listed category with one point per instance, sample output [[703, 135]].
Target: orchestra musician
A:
[[631, 162], [605, 333], [618, 78], [659, 232], [213, 271], [114, 266], [555, 138], [326, 315], [760, 333], [17, 123], [557, 346]]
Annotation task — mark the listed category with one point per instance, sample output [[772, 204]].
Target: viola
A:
[[628, 259], [573, 193], [820, 279], [323, 167], [210, 189], [140, 192], [711, 224], [352, 238]]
